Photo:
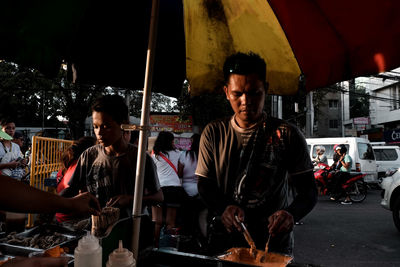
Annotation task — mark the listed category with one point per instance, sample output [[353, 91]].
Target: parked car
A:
[[391, 194], [358, 148], [387, 157]]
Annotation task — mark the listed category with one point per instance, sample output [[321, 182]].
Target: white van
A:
[[387, 157], [358, 148]]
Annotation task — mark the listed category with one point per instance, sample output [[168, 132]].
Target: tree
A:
[[203, 108], [37, 101], [159, 103], [33, 100], [25, 96], [76, 102], [359, 102]]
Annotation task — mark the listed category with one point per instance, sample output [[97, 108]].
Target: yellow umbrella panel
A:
[[217, 29]]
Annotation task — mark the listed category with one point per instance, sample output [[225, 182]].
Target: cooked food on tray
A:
[[257, 257]]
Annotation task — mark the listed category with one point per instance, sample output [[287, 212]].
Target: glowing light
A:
[[380, 62]]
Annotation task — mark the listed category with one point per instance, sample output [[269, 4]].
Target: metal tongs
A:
[[247, 236]]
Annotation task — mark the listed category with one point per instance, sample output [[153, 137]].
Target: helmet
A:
[[342, 148]]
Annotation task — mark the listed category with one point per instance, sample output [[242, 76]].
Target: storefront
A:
[[392, 136]]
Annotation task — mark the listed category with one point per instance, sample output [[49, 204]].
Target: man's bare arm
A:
[[18, 197]]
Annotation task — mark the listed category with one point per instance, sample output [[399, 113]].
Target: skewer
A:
[[248, 238], [266, 249], [267, 244]]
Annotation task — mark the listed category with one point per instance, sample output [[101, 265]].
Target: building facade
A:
[[385, 110], [329, 116]]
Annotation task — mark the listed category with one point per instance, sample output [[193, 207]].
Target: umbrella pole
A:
[[140, 167]]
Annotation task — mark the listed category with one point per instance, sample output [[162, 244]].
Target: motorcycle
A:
[[354, 187]]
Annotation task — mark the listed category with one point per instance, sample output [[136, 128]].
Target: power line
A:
[[364, 95]]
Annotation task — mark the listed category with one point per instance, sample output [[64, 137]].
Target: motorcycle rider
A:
[[336, 157], [321, 157], [343, 166]]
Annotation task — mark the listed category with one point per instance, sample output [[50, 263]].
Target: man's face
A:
[[107, 131], [246, 94], [9, 128]]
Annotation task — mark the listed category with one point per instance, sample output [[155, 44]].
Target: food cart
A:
[[67, 235]]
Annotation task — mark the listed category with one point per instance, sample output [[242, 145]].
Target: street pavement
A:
[[361, 234]]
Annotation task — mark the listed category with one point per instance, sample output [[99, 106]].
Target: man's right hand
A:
[[280, 222], [84, 204], [228, 218]]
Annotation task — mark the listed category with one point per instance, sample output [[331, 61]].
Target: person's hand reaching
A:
[[84, 204]]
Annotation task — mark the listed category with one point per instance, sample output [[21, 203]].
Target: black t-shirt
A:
[[108, 176], [254, 176]]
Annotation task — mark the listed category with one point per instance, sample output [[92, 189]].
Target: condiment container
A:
[[121, 257], [88, 253]]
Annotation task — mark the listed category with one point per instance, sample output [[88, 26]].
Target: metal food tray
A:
[[12, 251], [51, 228], [48, 229], [171, 258]]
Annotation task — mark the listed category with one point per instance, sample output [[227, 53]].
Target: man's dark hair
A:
[[6, 121], [113, 105], [241, 63]]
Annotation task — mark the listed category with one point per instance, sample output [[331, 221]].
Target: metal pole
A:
[[279, 107], [309, 115], [128, 101], [274, 106], [140, 167], [312, 114], [43, 103], [342, 108]]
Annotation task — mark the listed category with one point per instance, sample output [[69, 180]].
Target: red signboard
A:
[[171, 123], [182, 143], [361, 121]]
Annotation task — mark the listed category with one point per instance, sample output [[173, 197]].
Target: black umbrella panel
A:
[[105, 41]]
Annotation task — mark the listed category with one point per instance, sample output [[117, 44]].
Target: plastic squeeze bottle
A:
[[88, 253], [121, 257]]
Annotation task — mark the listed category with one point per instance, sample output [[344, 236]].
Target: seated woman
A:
[[69, 162], [166, 159]]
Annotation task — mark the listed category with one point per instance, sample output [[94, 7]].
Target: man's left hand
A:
[[280, 222]]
